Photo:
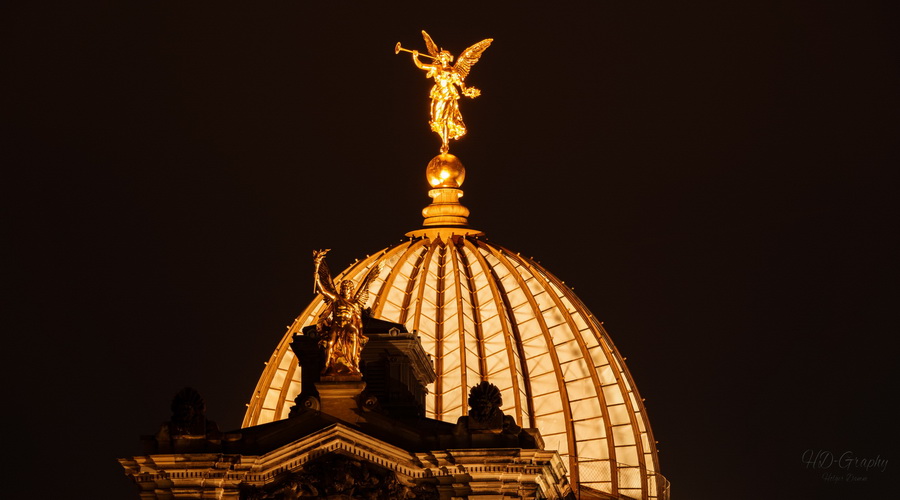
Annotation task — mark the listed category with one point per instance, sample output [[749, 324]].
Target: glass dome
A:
[[486, 313]]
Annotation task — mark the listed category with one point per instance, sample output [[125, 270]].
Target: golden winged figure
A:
[[340, 325], [446, 119]]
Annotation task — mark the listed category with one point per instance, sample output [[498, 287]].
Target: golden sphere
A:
[[445, 171]]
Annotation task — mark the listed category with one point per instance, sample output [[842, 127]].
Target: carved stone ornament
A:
[[339, 476], [485, 401]]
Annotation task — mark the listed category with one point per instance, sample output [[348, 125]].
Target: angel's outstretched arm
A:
[[322, 276], [418, 63], [467, 91]]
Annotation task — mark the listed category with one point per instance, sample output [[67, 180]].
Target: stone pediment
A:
[[366, 461]]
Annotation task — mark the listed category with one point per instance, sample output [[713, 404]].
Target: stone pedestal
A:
[[339, 398]]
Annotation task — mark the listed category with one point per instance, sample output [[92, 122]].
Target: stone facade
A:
[[345, 441]]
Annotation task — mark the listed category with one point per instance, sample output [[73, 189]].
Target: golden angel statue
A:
[[446, 119], [341, 323]]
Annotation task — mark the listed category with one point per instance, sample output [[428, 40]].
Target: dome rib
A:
[[388, 284], [420, 294], [505, 330], [473, 309], [511, 331], [461, 329], [595, 378], [563, 390], [439, 344]]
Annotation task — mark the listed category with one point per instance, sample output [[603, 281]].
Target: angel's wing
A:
[[362, 293], [326, 282], [432, 48], [470, 56]]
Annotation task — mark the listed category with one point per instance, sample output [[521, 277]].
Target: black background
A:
[[716, 182]]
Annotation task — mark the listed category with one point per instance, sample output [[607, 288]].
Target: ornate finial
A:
[[340, 325], [446, 119]]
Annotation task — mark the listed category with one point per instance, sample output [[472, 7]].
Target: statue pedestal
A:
[[338, 398]]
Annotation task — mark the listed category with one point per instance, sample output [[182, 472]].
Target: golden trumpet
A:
[[398, 48]]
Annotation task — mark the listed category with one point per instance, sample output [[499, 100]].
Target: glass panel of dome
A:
[[449, 288], [581, 388], [505, 389], [472, 345], [450, 324], [516, 297], [574, 369], [613, 395], [266, 415], [585, 408], [485, 298], [278, 379], [452, 397], [535, 352], [294, 387], [592, 448], [427, 303], [272, 396], [618, 415], [493, 340], [605, 373], [538, 360], [490, 325], [473, 377], [623, 434], [627, 455], [546, 405], [287, 361], [509, 401], [566, 350], [589, 339], [498, 365], [598, 355], [535, 285], [390, 308], [640, 419], [453, 402], [591, 428], [470, 336], [553, 318], [451, 362], [544, 383]]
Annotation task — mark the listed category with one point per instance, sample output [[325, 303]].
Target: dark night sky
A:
[[717, 183]]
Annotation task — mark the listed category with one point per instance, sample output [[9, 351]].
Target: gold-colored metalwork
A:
[[340, 325], [446, 118]]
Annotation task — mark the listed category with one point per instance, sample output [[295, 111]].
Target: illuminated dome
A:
[[486, 313]]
